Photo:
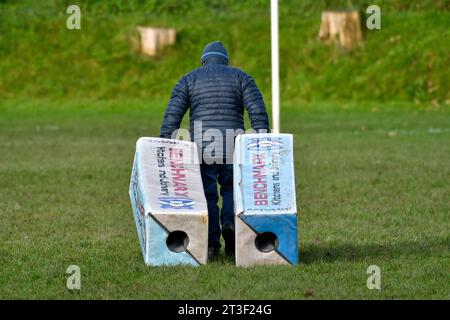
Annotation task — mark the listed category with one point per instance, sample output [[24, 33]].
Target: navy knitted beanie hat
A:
[[215, 49]]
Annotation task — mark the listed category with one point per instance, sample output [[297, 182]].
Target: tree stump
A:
[[153, 40], [171, 36], [341, 27]]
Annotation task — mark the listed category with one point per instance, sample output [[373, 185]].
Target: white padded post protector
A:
[[168, 202], [264, 200]]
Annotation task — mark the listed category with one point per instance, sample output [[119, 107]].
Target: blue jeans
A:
[[211, 174]]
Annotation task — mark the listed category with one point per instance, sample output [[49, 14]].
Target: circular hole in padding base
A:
[[177, 241], [266, 242]]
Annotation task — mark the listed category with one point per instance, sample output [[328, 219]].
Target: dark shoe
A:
[[228, 235], [213, 252]]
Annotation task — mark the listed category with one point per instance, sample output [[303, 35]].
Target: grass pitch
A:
[[372, 186]]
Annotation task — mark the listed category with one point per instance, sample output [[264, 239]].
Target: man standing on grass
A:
[[216, 95]]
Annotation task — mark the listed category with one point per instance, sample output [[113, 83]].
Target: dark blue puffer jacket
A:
[[215, 94]]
